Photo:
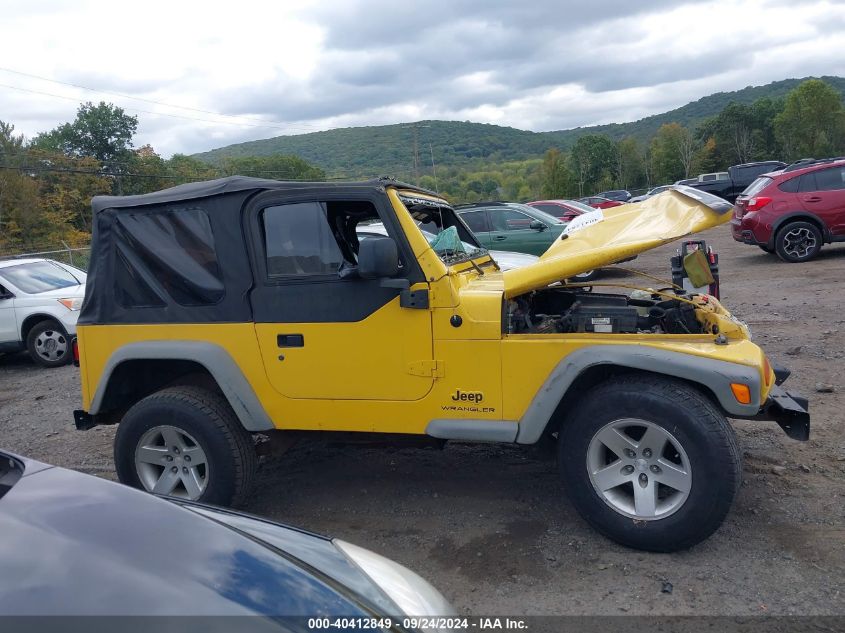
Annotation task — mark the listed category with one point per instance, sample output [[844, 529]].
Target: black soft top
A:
[[232, 184], [179, 255]]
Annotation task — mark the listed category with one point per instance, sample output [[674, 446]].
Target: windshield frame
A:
[[419, 204]]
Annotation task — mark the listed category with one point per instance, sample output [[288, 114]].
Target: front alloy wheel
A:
[[639, 469], [662, 475], [48, 344]]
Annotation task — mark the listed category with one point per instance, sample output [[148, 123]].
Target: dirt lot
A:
[[489, 525]]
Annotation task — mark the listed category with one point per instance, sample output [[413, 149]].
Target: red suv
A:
[[795, 210]]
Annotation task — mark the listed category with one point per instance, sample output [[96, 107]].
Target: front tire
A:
[[650, 462], [186, 442], [48, 344], [798, 242]]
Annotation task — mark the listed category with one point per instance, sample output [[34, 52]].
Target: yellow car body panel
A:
[[398, 369]]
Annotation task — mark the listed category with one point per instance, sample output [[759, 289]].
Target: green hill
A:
[[388, 149]]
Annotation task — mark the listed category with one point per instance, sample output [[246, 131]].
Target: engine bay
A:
[[572, 310]]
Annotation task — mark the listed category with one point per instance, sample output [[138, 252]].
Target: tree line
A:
[[46, 183], [808, 122]]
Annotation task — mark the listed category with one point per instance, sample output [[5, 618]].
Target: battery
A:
[[600, 319], [679, 275]]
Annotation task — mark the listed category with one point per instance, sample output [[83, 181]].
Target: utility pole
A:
[[416, 128], [433, 168]]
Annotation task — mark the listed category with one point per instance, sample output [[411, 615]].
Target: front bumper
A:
[[789, 410]]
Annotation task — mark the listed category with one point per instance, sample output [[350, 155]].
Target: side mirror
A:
[[538, 226], [378, 257]]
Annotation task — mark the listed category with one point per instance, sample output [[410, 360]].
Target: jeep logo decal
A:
[[467, 396]]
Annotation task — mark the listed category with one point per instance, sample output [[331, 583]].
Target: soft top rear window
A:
[[170, 252]]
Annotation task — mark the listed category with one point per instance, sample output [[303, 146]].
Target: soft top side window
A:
[[172, 250], [313, 238]]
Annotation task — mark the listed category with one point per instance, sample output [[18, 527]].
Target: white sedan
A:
[[39, 304]]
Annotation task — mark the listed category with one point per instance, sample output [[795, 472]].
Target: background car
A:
[[620, 195], [39, 304], [598, 202], [651, 192], [516, 227], [568, 210], [563, 210], [795, 210], [78, 545], [507, 260], [730, 184]]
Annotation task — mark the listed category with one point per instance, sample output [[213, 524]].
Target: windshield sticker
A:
[[584, 220]]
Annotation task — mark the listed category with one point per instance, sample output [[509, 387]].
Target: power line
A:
[[166, 176], [167, 114], [153, 101], [118, 164]]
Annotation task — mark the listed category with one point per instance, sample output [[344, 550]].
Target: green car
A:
[[510, 226]]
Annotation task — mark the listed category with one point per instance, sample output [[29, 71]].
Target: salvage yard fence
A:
[[78, 256]]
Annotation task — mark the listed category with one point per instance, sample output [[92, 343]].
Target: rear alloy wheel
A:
[[48, 344], [650, 462], [798, 242], [186, 442], [171, 462]]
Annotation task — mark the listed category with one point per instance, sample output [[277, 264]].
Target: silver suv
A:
[[39, 304]]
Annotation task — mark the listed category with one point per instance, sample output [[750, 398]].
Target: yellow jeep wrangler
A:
[[222, 310]]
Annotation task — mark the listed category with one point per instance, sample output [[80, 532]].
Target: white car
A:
[[39, 305]]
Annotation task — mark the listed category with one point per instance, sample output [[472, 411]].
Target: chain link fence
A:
[[75, 256]]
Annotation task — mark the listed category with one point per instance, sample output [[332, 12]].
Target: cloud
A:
[[304, 65]]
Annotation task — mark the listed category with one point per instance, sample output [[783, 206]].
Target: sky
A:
[[201, 75]]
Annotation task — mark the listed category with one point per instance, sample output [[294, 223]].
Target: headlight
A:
[[72, 304], [412, 594]]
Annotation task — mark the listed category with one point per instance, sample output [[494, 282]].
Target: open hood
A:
[[604, 237]]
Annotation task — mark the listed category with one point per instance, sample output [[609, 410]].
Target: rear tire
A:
[[765, 248], [48, 344], [686, 451], [798, 242], [162, 431]]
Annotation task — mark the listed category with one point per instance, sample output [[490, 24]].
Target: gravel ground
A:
[[489, 525]]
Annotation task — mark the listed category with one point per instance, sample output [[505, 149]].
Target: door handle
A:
[[500, 238], [290, 340], [813, 199]]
